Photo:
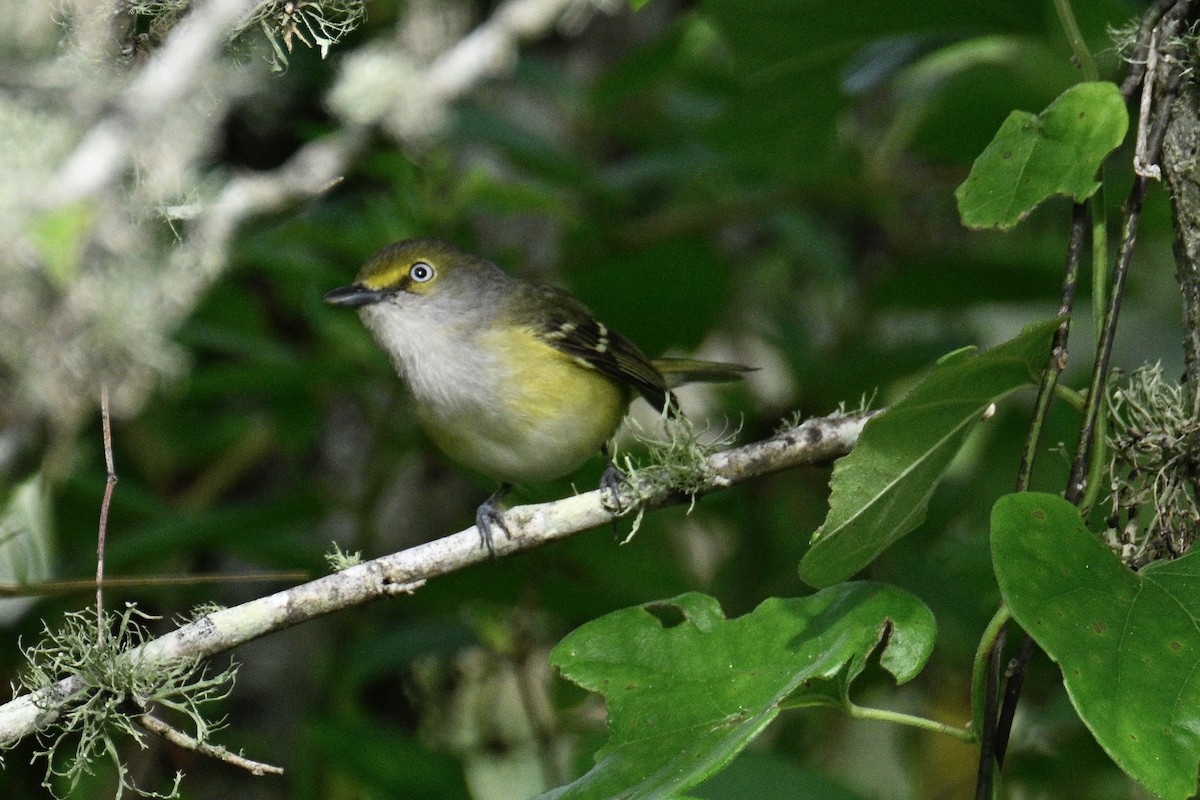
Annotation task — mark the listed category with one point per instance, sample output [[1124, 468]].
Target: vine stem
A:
[[1079, 48], [1017, 669], [991, 701], [900, 718], [992, 638], [985, 681]]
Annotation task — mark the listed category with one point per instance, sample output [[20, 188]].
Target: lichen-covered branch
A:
[[816, 441]]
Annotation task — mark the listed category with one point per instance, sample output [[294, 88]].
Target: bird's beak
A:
[[355, 295]]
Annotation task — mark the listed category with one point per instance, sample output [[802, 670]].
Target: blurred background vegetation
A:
[[767, 182]]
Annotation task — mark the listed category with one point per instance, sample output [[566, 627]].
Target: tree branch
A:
[[181, 739], [166, 79], [816, 441]]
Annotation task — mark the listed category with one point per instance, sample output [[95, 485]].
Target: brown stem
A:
[[1079, 244], [110, 482]]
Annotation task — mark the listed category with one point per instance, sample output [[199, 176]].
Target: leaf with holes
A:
[[1128, 642], [685, 698]]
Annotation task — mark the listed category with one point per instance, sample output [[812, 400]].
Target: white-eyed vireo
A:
[[515, 380]]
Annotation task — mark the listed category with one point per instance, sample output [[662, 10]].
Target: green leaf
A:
[[684, 699], [26, 543], [882, 488], [1034, 157], [1128, 643], [58, 236]]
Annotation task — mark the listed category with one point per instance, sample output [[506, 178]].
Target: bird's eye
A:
[[420, 272]]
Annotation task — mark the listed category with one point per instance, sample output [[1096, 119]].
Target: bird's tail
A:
[[678, 371]]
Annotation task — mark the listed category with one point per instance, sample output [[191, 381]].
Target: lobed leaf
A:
[[684, 699], [1128, 643]]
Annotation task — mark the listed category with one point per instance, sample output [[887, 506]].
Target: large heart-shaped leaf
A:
[[684, 699], [1128, 643]]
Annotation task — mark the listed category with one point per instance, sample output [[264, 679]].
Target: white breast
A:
[[439, 361]]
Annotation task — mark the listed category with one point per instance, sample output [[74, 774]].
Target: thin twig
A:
[[991, 743], [1141, 164], [181, 739], [1080, 227], [109, 483]]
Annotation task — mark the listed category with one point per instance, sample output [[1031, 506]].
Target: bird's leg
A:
[[489, 517], [610, 483]]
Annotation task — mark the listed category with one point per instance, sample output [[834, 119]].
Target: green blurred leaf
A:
[[792, 96], [881, 490], [1034, 157], [683, 699], [1128, 643], [958, 105], [26, 542], [58, 236], [481, 189]]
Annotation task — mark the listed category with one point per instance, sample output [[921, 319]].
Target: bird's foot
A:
[[489, 518], [612, 481]]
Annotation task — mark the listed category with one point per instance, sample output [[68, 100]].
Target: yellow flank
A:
[[548, 415]]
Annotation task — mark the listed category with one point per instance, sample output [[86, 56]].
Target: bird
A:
[[515, 380]]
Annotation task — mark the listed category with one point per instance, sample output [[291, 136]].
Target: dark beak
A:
[[355, 295]]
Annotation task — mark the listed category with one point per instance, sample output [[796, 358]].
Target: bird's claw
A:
[[611, 484], [489, 518]]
